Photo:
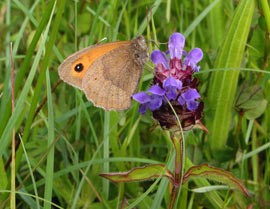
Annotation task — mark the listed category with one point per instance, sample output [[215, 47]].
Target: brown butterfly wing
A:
[[111, 80], [65, 69], [85, 57]]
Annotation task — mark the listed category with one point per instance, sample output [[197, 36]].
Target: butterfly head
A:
[[141, 50]]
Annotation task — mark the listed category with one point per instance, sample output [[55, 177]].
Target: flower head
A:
[[173, 81]]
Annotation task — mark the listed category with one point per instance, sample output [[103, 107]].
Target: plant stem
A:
[[178, 168], [174, 194]]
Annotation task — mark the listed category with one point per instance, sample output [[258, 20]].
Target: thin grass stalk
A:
[[5, 99], [255, 161], [266, 12], [13, 159], [50, 157], [168, 10], [106, 148], [31, 173], [78, 93]]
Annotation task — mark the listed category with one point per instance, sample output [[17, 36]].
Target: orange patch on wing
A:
[[93, 54]]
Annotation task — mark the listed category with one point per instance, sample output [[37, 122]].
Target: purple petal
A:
[[156, 90], [196, 55], [171, 94], [189, 98], [171, 85], [158, 57], [172, 82], [193, 57], [176, 45], [181, 100], [143, 108], [142, 97], [185, 53], [192, 105], [155, 103], [190, 95]]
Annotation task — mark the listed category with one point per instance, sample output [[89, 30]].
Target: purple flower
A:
[[176, 45], [152, 102], [173, 79], [189, 97], [158, 57], [171, 85], [193, 57]]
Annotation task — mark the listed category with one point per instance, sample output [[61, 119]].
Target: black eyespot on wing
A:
[[79, 67]]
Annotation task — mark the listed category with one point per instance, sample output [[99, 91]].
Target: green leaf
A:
[[216, 174], [223, 85], [256, 112], [251, 100], [144, 173]]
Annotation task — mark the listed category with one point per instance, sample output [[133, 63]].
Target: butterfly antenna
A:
[[157, 43], [103, 39]]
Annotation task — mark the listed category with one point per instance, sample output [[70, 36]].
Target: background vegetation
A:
[[69, 142]]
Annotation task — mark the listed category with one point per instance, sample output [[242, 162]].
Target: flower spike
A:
[[173, 81]]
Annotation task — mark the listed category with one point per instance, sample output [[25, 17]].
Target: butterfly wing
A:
[[112, 79], [85, 57]]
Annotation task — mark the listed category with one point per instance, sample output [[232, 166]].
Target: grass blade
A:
[[50, 156], [223, 84]]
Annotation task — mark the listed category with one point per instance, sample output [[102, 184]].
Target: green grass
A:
[[70, 141]]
